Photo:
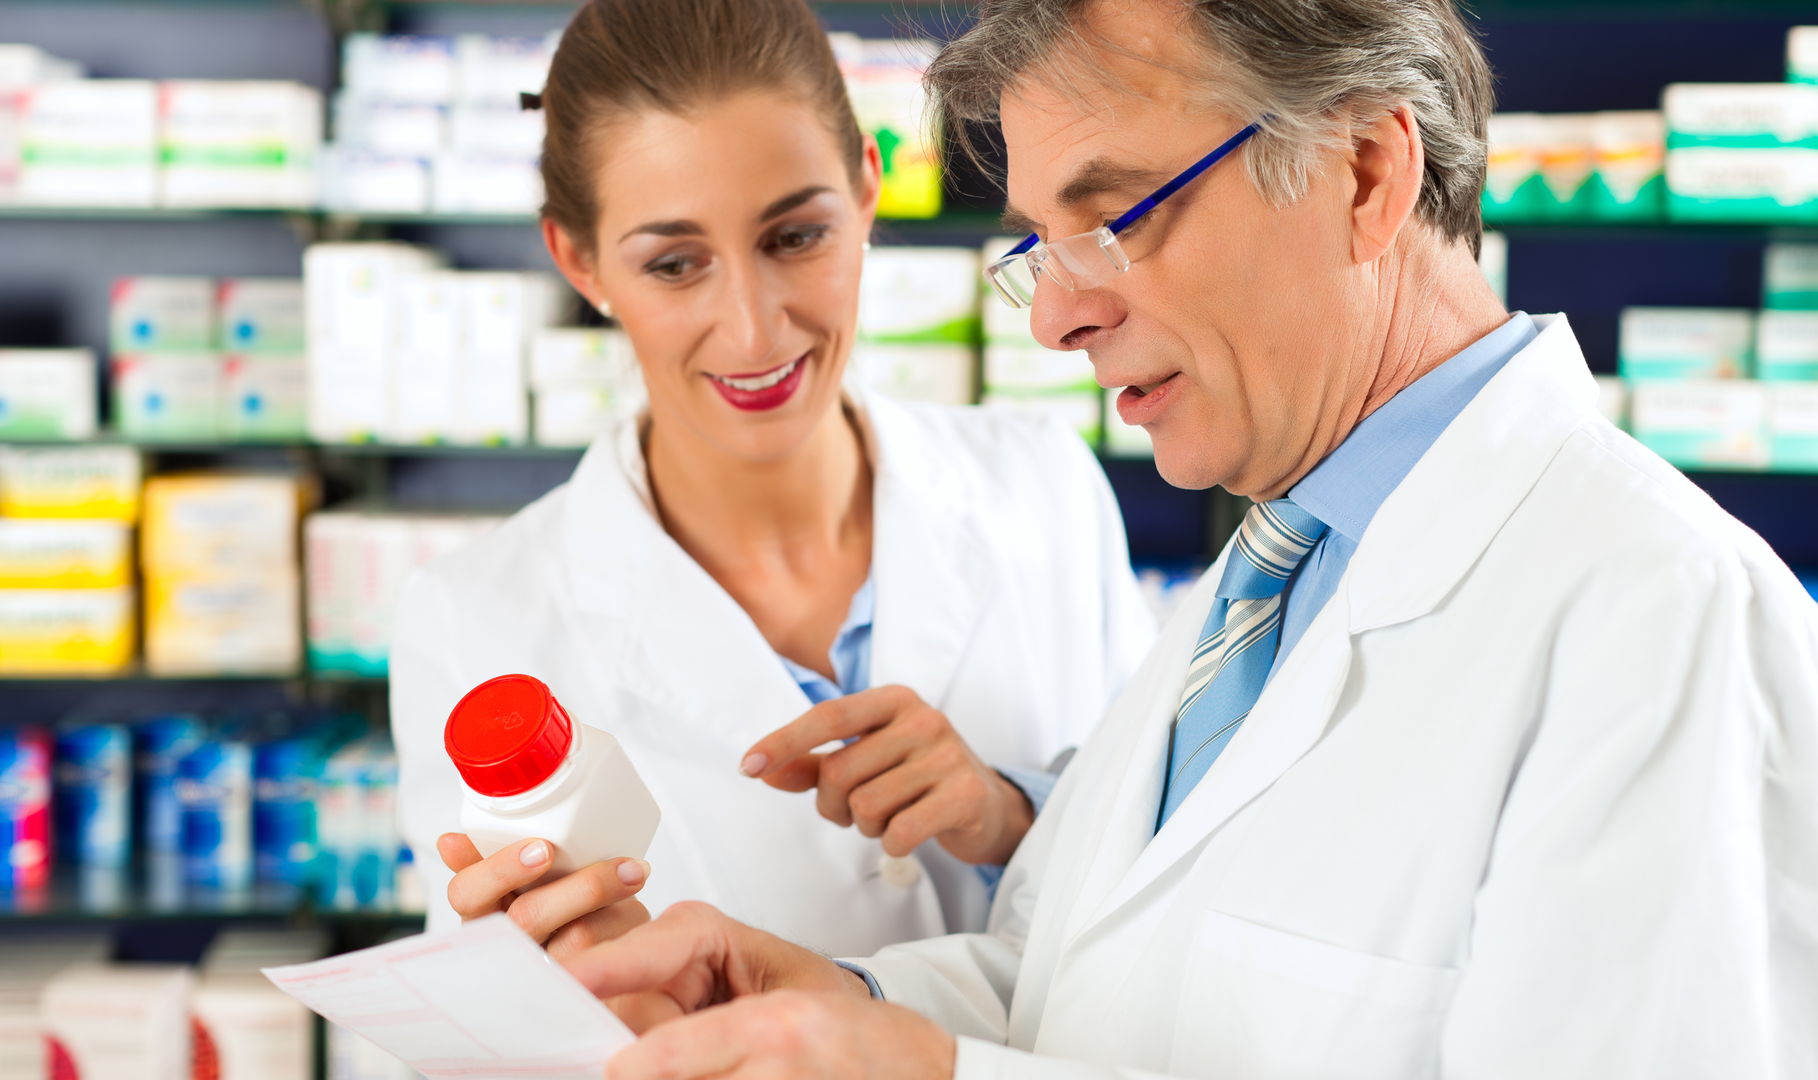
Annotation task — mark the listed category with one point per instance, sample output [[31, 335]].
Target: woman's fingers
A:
[[486, 886], [457, 851], [841, 718], [541, 911]]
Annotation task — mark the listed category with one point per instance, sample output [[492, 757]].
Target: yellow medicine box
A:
[[65, 631], [70, 482], [208, 524], [67, 554], [223, 624]]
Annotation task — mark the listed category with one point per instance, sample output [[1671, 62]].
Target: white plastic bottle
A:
[[529, 771]]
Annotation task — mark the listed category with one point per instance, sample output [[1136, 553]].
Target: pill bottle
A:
[[531, 771]]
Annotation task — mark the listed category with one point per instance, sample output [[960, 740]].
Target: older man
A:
[[1489, 748]]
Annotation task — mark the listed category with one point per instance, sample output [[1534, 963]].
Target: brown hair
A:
[[620, 56]]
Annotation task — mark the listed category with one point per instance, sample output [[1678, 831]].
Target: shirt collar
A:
[[1346, 489]]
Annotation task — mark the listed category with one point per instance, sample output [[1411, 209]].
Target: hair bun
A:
[[529, 102]]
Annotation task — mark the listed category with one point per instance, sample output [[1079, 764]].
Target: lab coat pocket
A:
[[1257, 1002]]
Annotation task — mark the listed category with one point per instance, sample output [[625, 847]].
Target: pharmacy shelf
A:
[[140, 893]]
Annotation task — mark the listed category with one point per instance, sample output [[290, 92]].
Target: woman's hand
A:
[[908, 777], [589, 906]]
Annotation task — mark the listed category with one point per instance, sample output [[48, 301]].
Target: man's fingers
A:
[[925, 820], [689, 936], [545, 909], [710, 1043], [641, 1012], [594, 927], [486, 886], [457, 851], [841, 718], [802, 774]]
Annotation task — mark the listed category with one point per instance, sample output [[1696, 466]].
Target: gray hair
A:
[[1304, 67]]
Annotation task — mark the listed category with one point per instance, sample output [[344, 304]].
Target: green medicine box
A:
[[1685, 343]]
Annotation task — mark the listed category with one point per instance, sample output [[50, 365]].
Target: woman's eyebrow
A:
[[790, 202], [685, 227]]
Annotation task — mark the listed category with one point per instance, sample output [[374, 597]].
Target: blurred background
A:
[[276, 326]]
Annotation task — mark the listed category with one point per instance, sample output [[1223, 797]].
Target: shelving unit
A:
[[1551, 55]]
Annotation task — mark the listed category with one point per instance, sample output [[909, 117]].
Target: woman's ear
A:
[[575, 263], [871, 176]]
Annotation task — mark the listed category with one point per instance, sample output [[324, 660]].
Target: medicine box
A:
[[264, 398], [504, 130], [1077, 409], [248, 143], [356, 181], [253, 1030], [90, 142], [1741, 151], [47, 553], [168, 396], [428, 357], [1513, 188], [941, 374], [1740, 115], [260, 316], [920, 294], [1567, 163], [1628, 182], [70, 482], [119, 1020], [1790, 277], [494, 70], [47, 394], [884, 81], [473, 181], [220, 523], [1700, 423], [387, 127], [226, 623], [1027, 369], [1786, 347], [161, 314], [66, 631], [399, 68], [1685, 343], [1793, 426], [1802, 54], [583, 381], [351, 303]]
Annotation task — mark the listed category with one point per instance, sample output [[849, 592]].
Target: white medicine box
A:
[[47, 394]]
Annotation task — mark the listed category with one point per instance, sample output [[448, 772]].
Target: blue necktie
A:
[[1237, 647]]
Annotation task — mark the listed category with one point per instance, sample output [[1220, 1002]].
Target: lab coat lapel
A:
[[663, 629], [930, 565], [1423, 540]]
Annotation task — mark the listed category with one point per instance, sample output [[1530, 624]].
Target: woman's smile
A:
[[763, 390]]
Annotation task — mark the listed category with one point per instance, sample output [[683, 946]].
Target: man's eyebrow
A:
[[1095, 177], [1098, 176], [684, 227]]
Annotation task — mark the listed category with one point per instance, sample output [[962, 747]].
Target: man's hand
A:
[[697, 957], [907, 778], [792, 1033], [589, 906]]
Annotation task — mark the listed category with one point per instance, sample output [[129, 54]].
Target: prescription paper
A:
[[481, 1002]]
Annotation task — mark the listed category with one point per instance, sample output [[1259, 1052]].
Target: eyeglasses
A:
[[1089, 259]]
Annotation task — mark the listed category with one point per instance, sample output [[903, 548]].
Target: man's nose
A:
[[1066, 320]]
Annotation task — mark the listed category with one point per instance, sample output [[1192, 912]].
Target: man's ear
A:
[[1387, 165], [575, 263]]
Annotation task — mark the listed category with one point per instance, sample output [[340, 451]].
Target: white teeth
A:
[[762, 382]]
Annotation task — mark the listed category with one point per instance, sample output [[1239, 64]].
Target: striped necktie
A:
[[1237, 647]]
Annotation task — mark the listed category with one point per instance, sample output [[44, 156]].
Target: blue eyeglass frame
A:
[[1156, 197]]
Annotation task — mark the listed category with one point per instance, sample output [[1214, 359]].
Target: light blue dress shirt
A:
[[1351, 484]]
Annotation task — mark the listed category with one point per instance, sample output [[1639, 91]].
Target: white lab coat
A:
[[1535, 796], [1004, 597]]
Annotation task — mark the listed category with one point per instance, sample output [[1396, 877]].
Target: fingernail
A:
[[754, 764], [632, 871], [534, 854]]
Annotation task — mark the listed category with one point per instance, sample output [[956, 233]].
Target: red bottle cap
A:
[[508, 735]]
